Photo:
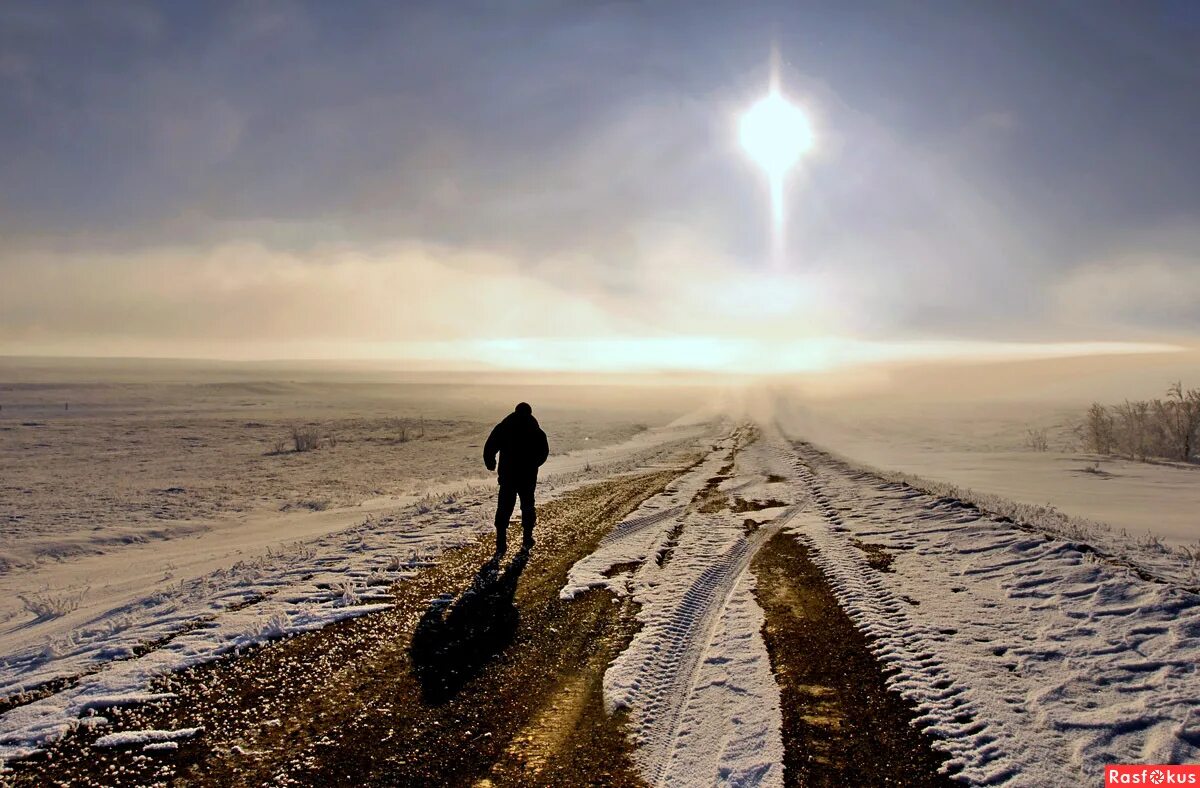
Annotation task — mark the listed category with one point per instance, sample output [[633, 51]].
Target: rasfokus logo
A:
[[1151, 774]]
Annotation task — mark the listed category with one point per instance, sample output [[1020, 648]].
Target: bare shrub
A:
[[1133, 429], [305, 438], [312, 504], [398, 431], [52, 604], [345, 594], [1036, 440]]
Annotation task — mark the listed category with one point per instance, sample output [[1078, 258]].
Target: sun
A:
[[775, 133]]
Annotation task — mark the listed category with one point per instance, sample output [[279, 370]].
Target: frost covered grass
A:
[[51, 604]]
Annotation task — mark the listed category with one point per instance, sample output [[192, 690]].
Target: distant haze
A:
[[557, 187]]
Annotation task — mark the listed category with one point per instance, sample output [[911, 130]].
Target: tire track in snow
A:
[[677, 647], [637, 524], [647, 533], [657, 678], [898, 642], [975, 743]]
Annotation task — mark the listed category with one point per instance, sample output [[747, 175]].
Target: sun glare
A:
[[775, 133]]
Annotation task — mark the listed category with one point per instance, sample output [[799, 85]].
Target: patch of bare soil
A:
[[741, 505], [711, 501], [877, 555], [480, 675], [841, 726]]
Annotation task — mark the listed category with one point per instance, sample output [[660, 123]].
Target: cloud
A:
[[1146, 292], [246, 300], [448, 306]]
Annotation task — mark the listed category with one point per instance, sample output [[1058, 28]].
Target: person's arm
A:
[[491, 447], [544, 449]]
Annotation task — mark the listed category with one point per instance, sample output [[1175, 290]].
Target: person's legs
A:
[[528, 510], [505, 502]]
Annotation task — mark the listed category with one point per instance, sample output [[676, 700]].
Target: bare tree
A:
[[1147, 428], [1133, 428], [1098, 429], [1179, 419]]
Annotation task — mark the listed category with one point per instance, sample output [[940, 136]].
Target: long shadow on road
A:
[[463, 692], [457, 638]]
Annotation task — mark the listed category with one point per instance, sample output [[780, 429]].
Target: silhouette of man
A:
[[523, 448]]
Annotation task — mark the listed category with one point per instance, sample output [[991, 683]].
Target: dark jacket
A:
[[522, 446]]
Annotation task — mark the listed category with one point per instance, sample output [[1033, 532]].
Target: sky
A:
[[559, 185]]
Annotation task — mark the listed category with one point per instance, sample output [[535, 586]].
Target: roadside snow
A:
[[1032, 661]]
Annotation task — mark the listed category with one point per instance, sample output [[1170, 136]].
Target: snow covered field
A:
[[93, 461], [982, 447]]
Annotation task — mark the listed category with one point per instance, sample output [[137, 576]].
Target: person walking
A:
[[523, 449]]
